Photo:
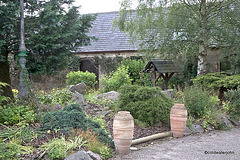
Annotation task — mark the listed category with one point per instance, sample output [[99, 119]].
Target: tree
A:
[[53, 34], [8, 14], [53, 28], [175, 27]]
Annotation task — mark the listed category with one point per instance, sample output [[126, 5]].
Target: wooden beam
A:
[[167, 78]]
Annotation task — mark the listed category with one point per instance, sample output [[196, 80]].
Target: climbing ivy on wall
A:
[[108, 64]]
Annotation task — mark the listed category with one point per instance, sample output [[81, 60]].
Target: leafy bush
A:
[[197, 101], [56, 96], [88, 78], [21, 131], [135, 68], [3, 98], [13, 114], [187, 72], [114, 81], [217, 81], [13, 149], [58, 148], [233, 102], [93, 144], [146, 104], [105, 152], [73, 117]]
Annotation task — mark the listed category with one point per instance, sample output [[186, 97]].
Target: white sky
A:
[[98, 6]]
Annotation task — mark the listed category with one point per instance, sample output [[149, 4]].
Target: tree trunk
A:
[[203, 40], [202, 60], [5, 77]]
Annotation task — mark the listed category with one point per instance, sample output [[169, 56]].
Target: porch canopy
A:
[[157, 68]]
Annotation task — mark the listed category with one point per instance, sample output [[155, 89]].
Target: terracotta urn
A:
[[123, 127], [178, 120]]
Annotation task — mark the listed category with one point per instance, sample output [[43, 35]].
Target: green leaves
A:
[[178, 28], [88, 78], [146, 104], [217, 81], [114, 81]]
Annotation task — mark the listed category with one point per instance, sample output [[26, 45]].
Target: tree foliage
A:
[[53, 33], [53, 29], [185, 27]]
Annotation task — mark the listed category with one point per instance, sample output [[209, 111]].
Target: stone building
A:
[[112, 43]]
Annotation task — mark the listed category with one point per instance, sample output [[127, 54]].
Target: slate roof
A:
[[162, 66], [109, 38]]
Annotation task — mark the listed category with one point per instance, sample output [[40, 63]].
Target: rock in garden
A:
[[81, 155], [187, 131], [197, 128], [227, 122], [80, 88], [209, 128], [169, 93], [109, 96], [94, 156], [79, 99], [235, 121]]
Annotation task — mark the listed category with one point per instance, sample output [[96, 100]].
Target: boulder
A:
[[227, 122], [80, 88], [79, 99], [94, 156], [169, 93], [81, 155], [197, 128], [109, 96], [187, 131], [235, 121]]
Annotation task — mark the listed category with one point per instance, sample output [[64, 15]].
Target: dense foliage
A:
[[202, 106], [233, 102], [13, 113], [146, 104], [188, 72], [197, 101], [218, 81], [135, 70], [53, 30], [115, 80], [88, 78], [183, 27], [73, 117]]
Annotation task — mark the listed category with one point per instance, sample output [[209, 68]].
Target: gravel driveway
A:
[[219, 145]]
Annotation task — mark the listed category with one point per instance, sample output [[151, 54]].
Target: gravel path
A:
[[219, 145]]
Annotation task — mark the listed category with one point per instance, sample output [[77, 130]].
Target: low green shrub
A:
[[217, 81], [13, 114], [58, 148], [105, 152], [135, 68], [56, 96], [73, 117], [21, 131], [13, 149], [146, 104], [115, 80], [198, 101], [93, 143], [3, 98], [88, 78], [233, 102]]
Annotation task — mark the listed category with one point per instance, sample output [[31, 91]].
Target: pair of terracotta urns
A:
[[123, 127]]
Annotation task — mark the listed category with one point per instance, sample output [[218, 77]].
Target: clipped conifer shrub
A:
[[73, 117], [146, 104]]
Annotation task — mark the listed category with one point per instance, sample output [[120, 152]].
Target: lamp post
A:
[[22, 90]]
